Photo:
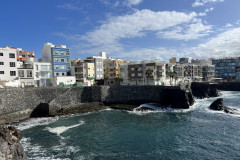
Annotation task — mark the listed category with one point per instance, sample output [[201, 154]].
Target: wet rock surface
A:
[[218, 105], [10, 147], [204, 90]]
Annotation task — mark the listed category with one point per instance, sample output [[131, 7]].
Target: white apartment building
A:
[[43, 74], [26, 72], [8, 64], [98, 64]]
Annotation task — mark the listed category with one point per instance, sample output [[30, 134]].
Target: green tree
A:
[[149, 73], [136, 69], [106, 76]]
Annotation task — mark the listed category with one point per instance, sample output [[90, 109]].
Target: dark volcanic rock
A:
[[218, 105], [204, 90], [42, 110], [10, 148]]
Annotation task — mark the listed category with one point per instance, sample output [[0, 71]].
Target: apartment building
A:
[[59, 57], [8, 64], [78, 69], [227, 68], [90, 73], [43, 74], [26, 73], [98, 64], [23, 55], [112, 71], [192, 72], [145, 73]]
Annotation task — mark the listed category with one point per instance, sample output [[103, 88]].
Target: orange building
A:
[[23, 55]]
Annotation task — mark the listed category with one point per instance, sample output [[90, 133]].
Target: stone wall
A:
[[228, 86], [17, 103], [204, 90]]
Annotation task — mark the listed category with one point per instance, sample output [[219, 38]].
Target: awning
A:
[[198, 77]]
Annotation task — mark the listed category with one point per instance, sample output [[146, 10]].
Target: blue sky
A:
[[126, 29]]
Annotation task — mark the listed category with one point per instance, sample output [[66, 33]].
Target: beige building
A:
[[112, 73], [90, 73], [173, 60]]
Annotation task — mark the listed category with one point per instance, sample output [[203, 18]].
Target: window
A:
[[1, 63], [63, 67], [139, 74], [56, 67], [36, 67], [132, 69], [57, 74], [55, 59], [62, 74], [56, 52], [1, 54], [12, 64], [62, 53], [37, 74], [68, 67], [11, 55], [21, 73], [29, 83], [23, 55], [133, 74], [12, 73], [29, 73], [1, 72], [67, 53]]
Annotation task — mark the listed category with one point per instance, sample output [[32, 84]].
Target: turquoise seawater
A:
[[196, 133]]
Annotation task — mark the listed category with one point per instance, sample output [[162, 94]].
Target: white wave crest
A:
[[61, 129], [33, 122]]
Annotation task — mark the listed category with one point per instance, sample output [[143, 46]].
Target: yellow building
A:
[[112, 71], [173, 60], [90, 73]]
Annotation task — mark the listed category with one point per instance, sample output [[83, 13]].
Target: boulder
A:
[[10, 147], [218, 105]]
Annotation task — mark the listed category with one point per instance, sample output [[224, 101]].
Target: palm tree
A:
[[149, 73], [136, 68], [106, 76], [171, 75]]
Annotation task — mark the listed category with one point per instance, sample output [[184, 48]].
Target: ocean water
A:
[[195, 133]]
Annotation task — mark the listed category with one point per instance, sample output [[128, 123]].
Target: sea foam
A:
[[61, 129]]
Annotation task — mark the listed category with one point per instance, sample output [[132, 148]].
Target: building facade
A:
[[42, 74], [90, 73], [23, 55], [8, 64], [78, 69], [227, 68]]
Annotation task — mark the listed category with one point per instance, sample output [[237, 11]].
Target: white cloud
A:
[[189, 32], [198, 3], [68, 6], [132, 2], [136, 25], [228, 25], [110, 35], [225, 44]]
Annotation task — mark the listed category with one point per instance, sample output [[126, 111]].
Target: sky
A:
[[126, 29]]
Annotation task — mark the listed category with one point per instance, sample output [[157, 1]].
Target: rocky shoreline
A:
[[10, 146]]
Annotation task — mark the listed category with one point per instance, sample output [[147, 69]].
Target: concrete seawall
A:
[[17, 103], [228, 86]]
